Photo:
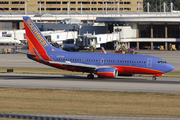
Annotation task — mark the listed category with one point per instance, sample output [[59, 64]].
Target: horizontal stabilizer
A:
[[24, 53]]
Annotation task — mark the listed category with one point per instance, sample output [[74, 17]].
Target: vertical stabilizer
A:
[[36, 41]]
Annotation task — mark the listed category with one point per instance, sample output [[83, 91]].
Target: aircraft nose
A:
[[169, 67]]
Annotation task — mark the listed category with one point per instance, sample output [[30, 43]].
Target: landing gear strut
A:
[[90, 76], [153, 78]]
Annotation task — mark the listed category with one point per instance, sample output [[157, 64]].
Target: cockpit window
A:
[[161, 62]]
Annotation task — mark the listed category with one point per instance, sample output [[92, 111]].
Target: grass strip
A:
[[54, 71], [51, 71], [85, 102], [11, 119]]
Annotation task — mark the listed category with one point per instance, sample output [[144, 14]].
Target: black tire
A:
[[153, 78], [90, 76]]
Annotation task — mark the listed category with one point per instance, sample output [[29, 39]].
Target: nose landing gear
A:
[[153, 78], [156, 75]]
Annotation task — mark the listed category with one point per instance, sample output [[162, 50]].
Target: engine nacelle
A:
[[107, 72]]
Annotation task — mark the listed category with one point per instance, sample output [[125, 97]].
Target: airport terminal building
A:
[[144, 29], [147, 30], [137, 28], [70, 6]]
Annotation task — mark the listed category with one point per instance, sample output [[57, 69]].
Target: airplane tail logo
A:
[[36, 41]]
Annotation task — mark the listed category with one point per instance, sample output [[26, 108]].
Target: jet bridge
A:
[[95, 41]]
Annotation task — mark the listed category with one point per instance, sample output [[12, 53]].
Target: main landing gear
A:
[[153, 78], [90, 76]]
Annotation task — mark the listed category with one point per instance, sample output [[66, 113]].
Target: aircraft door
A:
[[149, 62], [102, 61]]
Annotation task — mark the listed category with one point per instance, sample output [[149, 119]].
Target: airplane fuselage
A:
[[126, 64]]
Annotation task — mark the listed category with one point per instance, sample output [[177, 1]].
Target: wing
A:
[[77, 66], [68, 63]]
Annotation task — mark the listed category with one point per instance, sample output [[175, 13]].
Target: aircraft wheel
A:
[[90, 76], [153, 78]]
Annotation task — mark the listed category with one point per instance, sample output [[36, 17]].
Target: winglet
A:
[[103, 50]]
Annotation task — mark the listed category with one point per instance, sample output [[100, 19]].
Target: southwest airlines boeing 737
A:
[[102, 64]]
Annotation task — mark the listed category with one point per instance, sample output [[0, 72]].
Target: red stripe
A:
[[136, 70]]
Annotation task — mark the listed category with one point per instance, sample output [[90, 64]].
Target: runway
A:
[[137, 84]]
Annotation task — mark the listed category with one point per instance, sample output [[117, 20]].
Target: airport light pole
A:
[[26, 6], [56, 12], [160, 5], [121, 6], [40, 8]]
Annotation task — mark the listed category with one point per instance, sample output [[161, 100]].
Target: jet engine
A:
[[107, 72]]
